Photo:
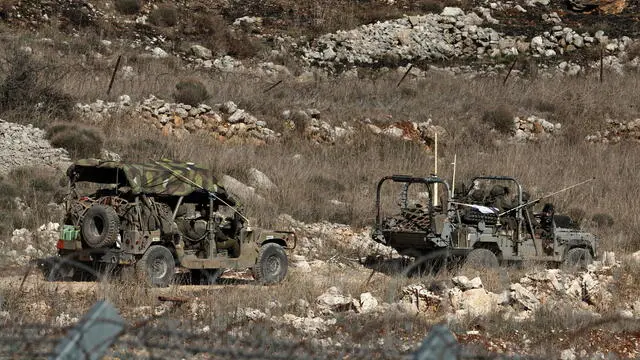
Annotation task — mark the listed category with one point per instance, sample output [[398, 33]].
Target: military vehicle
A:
[[160, 217], [491, 223]]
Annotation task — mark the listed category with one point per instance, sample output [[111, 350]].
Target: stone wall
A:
[[22, 145]]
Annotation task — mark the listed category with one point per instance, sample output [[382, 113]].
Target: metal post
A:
[[113, 76], [453, 181], [435, 171]]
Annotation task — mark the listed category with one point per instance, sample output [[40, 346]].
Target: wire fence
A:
[[163, 340], [173, 334]]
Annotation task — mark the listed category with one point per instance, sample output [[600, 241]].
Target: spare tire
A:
[[100, 226]]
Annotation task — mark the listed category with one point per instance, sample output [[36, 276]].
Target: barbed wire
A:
[[171, 335]]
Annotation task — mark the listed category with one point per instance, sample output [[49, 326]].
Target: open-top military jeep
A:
[[490, 223], [162, 216]]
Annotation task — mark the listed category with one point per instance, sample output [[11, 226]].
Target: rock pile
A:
[[453, 33], [229, 64], [224, 121], [449, 34], [321, 132], [423, 132], [562, 39], [100, 109], [25, 245], [533, 128], [314, 238], [314, 129], [586, 290], [616, 132], [27, 146]]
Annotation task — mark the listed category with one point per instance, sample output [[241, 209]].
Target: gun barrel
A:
[[546, 196]]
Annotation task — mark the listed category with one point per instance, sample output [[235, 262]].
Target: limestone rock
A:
[[244, 192], [476, 302], [524, 297], [259, 180], [367, 303], [334, 300], [464, 283], [201, 52]]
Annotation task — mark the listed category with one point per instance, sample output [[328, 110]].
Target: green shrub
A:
[[81, 141], [164, 15], [191, 92], [128, 7], [500, 118]]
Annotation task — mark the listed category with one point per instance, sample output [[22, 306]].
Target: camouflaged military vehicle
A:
[[160, 217], [490, 223]]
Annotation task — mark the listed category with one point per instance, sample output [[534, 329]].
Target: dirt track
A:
[[35, 281]]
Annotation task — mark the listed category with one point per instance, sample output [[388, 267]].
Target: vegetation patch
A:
[[79, 140], [500, 118], [191, 92], [30, 89], [164, 16], [128, 7]]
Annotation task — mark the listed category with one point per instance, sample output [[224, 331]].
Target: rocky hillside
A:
[[300, 108]]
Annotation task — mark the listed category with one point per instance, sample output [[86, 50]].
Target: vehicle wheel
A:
[[272, 264], [480, 259], [157, 266], [100, 226], [577, 258]]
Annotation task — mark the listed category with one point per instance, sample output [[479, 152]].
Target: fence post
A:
[[92, 335]]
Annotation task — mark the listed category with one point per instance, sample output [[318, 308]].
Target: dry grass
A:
[[36, 187], [347, 171], [352, 167]]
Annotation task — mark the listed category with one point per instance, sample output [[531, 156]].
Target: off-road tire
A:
[[480, 259], [577, 258], [272, 264], [100, 226], [157, 266]]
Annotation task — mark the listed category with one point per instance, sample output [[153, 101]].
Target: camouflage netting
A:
[[164, 177], [409, 220]]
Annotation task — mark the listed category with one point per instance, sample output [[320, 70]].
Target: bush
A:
[[431, 6], [241, 46], [602, 220], [128, 7], [81, 141], [164, 15], [29, 87], [78, 16], [191, 92], [500, 118]]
